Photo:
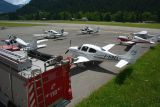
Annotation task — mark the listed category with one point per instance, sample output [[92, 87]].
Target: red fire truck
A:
[[34, 79]]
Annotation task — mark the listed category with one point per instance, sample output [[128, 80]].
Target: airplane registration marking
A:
[[109, 57]]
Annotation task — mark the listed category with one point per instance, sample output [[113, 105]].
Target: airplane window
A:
[[91, 50], [84, 48], [79, 47]]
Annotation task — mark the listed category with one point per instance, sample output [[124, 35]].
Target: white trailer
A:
[[34, 82]]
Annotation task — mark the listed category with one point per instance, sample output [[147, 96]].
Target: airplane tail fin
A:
[[132, 54], [97, 30], [9, 36], [33, 44], [63, 32], [155, 38], [129, 57]]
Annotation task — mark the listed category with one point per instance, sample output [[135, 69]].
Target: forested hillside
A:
[[7, 7], [104, 10]]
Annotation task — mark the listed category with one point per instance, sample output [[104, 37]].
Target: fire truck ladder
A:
[[14, 60], [10, 54], [39, 89]]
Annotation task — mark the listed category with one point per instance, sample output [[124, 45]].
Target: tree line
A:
[[94, 10]]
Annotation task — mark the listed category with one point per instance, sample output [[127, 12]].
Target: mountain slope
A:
[[92, 5], [99, 10], [7, 7]]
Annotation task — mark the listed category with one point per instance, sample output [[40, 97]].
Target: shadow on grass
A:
[[122, 76]]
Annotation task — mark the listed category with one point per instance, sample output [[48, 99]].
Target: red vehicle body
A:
[[10, 47]]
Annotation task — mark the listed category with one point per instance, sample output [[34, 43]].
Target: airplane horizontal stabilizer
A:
[[43, 40], [129, 42], [41, 46], [80, 59], [65, 33], [121, 63], [108, 47], [40, 35]]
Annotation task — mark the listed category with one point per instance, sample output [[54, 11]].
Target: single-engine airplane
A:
[[21, 44], [52, 34], [139, 37], [88, 30], [90, 52]]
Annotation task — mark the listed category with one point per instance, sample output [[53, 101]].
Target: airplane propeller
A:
[[9, 36], [67, 51]]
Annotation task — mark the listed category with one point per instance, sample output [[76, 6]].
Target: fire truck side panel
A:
[[5, 83], [19, 92], [54, 87], [12, 87]]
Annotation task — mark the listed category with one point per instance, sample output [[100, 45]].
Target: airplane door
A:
[[83, 51]]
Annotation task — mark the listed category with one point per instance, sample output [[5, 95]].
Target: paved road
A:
[[87, 79]]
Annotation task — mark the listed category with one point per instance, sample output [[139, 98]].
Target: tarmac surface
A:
[[84, 80]]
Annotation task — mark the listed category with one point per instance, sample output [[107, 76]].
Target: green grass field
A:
[[14, 24], [136, 86], [140, 25], [30, 23]]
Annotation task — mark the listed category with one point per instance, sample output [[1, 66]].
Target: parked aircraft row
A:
[[88, 52], [52, 34], [139, 37], [91, 53]]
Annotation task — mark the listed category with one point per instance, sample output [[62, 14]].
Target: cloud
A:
[[16, 2]]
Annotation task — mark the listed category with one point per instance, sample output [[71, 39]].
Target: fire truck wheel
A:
[[10, 104]]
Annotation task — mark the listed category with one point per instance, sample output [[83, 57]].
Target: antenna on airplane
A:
[[70, 42]]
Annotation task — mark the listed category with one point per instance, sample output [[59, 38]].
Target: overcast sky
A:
[[16, 2]]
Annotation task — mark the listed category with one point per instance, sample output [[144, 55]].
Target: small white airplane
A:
[[52, 34], [89, 52], [139, 37], [88, 30], [24, 45], [8, 41]]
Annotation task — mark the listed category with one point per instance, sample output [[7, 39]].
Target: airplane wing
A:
[[129, 42], [108, 47], [65, 33], [121, 63], [58, 34], [141, 32], [40, 35], [40, 41], [41, 46], [84, 32], [80, 59]]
